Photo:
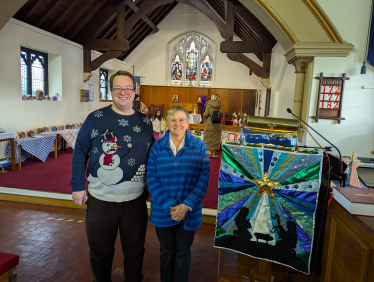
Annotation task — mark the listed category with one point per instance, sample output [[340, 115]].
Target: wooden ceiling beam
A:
[[32, 10], [144, 9], [229, 18], [121, 23], [77, 16], [95, 64], [50, 11], [86, 19], [71, 6], [107, 44], [257, 27], [266, 65], [145, 18], [247, 46]]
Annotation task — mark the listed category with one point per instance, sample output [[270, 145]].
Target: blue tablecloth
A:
[[38, 146]]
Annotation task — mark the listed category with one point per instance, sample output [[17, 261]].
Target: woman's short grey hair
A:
[[215, 97], [171, 112], [124, 73]]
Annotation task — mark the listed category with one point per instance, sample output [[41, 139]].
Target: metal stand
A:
[[261, 273]]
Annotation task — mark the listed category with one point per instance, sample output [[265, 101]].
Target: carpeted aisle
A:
[[54, 176]]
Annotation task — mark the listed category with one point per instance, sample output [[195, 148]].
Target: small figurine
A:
[[21, 134], [30, 133], [39, 130], [60, 127], [54, 128], [72, 126], [45, 129], [234, 115], [240, 122], [235, 122], [68, 126]]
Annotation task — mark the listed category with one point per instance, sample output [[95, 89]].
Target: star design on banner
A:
[[265, 185]]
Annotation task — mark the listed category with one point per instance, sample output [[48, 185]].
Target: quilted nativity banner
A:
[[267, 204]]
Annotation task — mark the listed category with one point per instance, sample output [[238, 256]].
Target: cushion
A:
[[7, 262]]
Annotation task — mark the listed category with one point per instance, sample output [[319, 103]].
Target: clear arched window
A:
[[192, 60]]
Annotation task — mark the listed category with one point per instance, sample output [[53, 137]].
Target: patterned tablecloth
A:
[[195, 118], [8, 135], [38, 146], [69, 135]]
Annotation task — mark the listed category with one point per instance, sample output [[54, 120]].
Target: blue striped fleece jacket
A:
[[175, 180]]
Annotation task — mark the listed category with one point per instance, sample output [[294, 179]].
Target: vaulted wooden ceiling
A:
[[87, 21]]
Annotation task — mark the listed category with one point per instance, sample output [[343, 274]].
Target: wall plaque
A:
[[330, 97]]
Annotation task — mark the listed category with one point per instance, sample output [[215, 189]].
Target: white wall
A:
[[17, 115], [356, 132], [282, 82], [150, 58]]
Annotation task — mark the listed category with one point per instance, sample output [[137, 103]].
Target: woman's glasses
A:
[[118, 90], [180, 121]]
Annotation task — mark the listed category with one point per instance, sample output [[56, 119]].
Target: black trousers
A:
[[175, 252], [103, 220]]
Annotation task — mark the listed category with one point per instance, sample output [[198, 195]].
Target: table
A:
[[10, 136], [37, 146], [68, 135], [348, 246], [195, 118]]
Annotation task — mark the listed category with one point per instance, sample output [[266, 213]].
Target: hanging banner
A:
[[370, 56], [91, 92], [267, 204], [137, 79]]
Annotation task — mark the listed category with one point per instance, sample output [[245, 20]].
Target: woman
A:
[[158, 124], [212, 132], [140, 106], [177, 178]]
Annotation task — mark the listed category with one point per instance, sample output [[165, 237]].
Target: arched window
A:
[[192, 60]]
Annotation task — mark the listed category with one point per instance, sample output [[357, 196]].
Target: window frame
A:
[[106, 73], [29, 62]]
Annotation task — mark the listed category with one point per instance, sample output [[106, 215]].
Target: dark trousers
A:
[[103, 220], [175, 252]]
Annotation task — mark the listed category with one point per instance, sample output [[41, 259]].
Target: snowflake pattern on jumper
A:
[[98, 114], [131, 162], [123, 122], [140, 174], [146, 120], [137, 129], [94, 133], [95, 150], [149, 145], [127, 138]]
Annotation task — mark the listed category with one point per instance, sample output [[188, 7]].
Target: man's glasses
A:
[[118, 90], [181, 121]]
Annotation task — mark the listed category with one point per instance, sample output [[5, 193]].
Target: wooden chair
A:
[[8, 264], [153, 108]]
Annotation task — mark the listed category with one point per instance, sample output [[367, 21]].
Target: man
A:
[[116, 140]]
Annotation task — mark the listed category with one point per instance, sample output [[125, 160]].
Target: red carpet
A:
[[54, 176]]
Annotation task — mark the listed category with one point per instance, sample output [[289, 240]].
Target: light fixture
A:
[[363, 68]]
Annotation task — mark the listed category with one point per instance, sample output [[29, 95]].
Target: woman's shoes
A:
[[214, 155], [209, 152]]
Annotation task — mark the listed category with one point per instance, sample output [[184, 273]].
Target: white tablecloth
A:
[[8, 135], [195, 118]]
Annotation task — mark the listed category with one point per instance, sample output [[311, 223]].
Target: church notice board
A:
[[330, 97], [267, 201]]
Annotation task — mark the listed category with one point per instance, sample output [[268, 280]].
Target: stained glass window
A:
[[206, 72], [34, 74], [192, 57], [176, 70], [104, 85]]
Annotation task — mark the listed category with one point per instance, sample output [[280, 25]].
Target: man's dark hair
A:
[[124, 73]]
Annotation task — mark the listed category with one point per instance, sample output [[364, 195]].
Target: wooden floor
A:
[[56, 250]]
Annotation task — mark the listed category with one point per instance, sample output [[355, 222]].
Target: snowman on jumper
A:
[[109, 172]]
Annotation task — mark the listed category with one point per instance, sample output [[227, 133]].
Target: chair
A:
[[153, 108], [8, 264]]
